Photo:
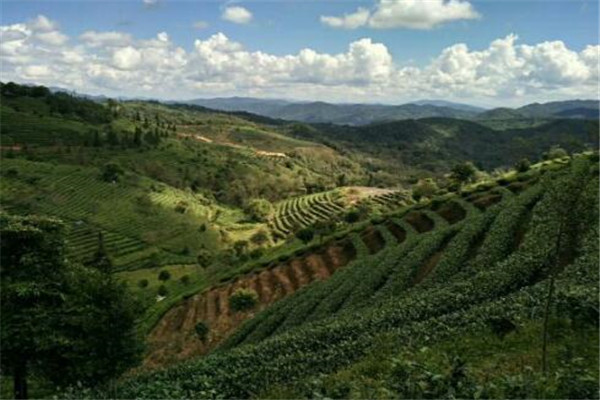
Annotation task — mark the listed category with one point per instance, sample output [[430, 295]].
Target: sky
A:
[[486, 52]]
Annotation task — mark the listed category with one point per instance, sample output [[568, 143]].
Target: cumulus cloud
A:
[[409, 14], [237, 15], [200, 25], [150, 3], [115, 63]]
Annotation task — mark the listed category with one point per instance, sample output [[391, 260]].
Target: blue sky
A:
[[283, 27]]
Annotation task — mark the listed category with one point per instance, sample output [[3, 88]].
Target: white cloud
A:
[[409, 14], [348, 21], [42, 24], [105, 39], [237, 15], [200, 25], [115, 63], [53, 38], [126, 58]]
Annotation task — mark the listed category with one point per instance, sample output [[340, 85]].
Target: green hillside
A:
[[423, 316], [434, 144], [274, 259]]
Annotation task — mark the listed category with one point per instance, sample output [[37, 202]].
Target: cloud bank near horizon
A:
[[116, 63]]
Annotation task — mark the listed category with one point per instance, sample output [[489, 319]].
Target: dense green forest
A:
[[156, 250]]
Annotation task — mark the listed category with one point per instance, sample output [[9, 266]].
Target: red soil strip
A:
[[427, 267], [267, 288], [372, 239], [297, 269], [517, 187], [397, 231], [319, 268], [419, 221], [283, 281], [174, 338], [452, 212], [486, 201]]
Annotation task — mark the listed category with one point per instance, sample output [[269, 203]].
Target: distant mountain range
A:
[[363, 114]]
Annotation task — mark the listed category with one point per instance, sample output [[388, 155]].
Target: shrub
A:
[[424, 188], [259, 209], [162, 291], [556, 152], [352, 216], [12, 172], [305, 234], [256, 253], [259, 238], [185, 279], [111, 172], [463, 172], [523, 165], [243, 299], [181, 207], [204, 258], [202, 330], [164, 275], [143, 283]]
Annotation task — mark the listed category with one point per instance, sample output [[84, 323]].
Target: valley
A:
[[270, 258]]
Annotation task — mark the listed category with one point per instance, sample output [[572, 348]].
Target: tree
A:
[[306, 234], [111, 172], [101, 259], [96, 141], [137, 137], [522, 165], [260, 238], [324, 227], [556, 152], [424, 188], [202, 330], [204, 258], [240, 247], [61, 321], [243, 299], [162, 291], [259, 209], [164, 275], [463, 172], [352, 216], [111, 136]]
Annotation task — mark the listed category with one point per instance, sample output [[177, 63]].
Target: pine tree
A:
[[101, 259]]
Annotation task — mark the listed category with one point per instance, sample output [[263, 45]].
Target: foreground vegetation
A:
[[295, 256], [533, 281]]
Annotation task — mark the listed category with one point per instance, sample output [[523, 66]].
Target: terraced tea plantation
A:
[[139, 218], [299, 212], [174, 337], [478, 266], [389, 201]]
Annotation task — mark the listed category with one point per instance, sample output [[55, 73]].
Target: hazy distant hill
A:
[[364, 114], [449, 104], [561, 109], [348, 114]]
